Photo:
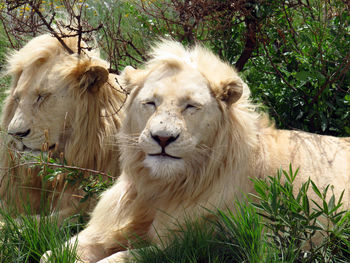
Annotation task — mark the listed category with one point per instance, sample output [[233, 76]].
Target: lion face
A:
[[39, 110], [176, 118], [47, 86]]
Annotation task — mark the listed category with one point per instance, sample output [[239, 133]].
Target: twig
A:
[[342, 69], [59, 166], [277, 70], [48, 191], [37, 11]]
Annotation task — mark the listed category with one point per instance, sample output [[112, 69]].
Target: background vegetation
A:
[[4, 81], [295, 56]]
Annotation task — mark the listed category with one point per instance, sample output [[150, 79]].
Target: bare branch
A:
[[51, 30]]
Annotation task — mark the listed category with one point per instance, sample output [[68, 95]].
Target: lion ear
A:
[[94, 78], [132, 77], [230, 91]]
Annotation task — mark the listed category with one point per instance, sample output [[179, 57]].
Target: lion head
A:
[[40, 104], [178, 112], [65, 103]]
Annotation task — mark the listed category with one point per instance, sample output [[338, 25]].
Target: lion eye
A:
[[16, 98], [151, 103], [41, 97], [190, 106]]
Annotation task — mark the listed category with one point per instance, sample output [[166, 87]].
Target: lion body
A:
[[323, 159], [190, 141], [68, 103]]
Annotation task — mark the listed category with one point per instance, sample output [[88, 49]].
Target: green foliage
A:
[[191, 243], [90, 181], [301, 67], [123, 33], [26, 238], [295, 221], [239, 231], [4, 81]]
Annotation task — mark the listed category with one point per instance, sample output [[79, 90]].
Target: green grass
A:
[[277, 226], [231, 237], [25, 238]]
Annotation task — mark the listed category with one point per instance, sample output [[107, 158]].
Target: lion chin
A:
[[21, 147], [163, 165]]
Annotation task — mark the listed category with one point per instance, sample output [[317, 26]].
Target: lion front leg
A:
[[110, 224], [87, 251], [88, 248]]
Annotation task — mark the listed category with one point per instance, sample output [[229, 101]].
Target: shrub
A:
[[296, 222]]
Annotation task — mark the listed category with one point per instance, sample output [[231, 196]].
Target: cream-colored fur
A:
[[67, 102], [190, 140]]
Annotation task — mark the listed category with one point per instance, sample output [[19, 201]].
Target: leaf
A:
[[313, 227], [331, 202], [314, 215], [319, 207], [340, 198], [316, 190], [347, 129], [259, 188], [299, 216], [324, 194], [325, 207], [306, 204], [303, 75]]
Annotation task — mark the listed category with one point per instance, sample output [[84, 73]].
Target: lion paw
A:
[[120, 257], [45, 257]]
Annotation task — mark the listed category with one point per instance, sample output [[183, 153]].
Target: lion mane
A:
[[233, 142], [81, 111]]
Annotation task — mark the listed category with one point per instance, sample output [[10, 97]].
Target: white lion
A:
[[190, 140], [65, 103]]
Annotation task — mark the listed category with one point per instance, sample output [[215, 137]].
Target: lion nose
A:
[[164, 141], [20, 135]]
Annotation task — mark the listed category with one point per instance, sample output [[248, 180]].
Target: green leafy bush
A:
[[296, 222], [300, 69]]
